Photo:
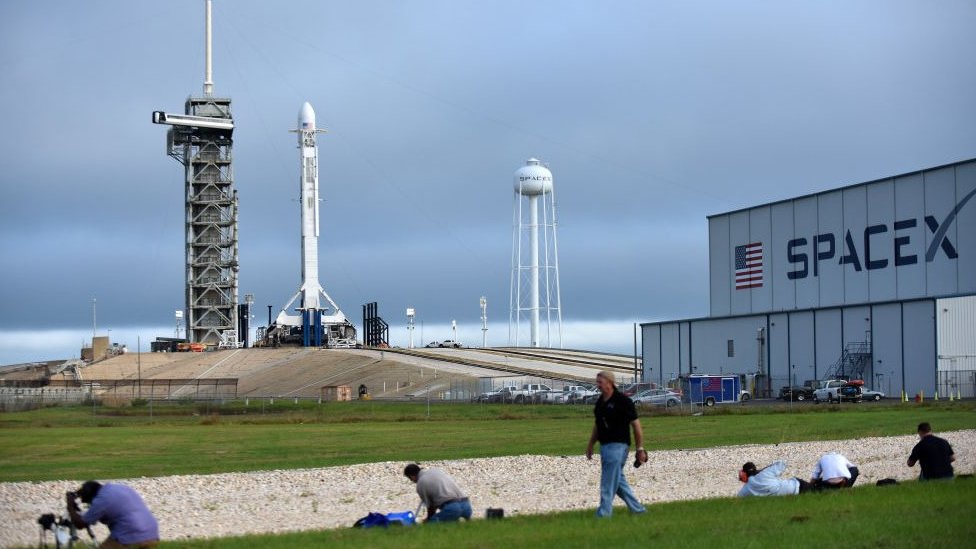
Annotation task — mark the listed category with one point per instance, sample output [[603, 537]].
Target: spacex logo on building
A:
[[862, 253]]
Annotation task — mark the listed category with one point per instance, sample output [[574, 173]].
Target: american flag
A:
[[711, 384], [749, 266]]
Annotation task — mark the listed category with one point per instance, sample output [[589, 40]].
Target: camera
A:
[[47, 521]]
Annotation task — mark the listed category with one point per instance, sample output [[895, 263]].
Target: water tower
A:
[[535, 260]]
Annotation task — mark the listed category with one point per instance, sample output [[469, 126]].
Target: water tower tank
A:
[[533, 179]]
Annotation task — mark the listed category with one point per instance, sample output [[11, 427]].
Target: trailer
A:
[[709, 390]]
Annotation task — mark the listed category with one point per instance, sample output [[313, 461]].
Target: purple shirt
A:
[[123, 511]]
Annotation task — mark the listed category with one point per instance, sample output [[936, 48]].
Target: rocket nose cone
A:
[[306, 117]]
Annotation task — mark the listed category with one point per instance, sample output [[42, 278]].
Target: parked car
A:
[[503, 395], [632, 389], [450, 344], [870, 394], [578, 393], [433, 344], [828, 390], [657, 397], [838, 391], [528, 391], [796, 393]]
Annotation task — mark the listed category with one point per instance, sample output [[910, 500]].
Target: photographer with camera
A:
[[615, 416], [129, 521]]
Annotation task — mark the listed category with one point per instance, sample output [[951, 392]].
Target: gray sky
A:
[[651, 116]]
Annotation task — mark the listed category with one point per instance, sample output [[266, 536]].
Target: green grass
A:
[[72, 443], [906, 515]]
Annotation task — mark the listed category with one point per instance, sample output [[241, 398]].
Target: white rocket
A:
[[311, 290]]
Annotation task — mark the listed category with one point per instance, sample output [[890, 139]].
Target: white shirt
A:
[[832, 466], [768, 483]]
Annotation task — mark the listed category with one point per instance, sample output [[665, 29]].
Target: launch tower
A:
[[201, 140]]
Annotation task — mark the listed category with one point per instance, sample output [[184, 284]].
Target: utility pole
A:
[[139, 362]]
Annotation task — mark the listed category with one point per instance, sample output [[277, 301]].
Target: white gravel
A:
[[192, 506]]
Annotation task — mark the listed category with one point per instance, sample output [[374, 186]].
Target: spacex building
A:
[[875, 281]]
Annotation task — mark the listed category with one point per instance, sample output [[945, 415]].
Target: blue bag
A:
[[406, 518], [371, 520]]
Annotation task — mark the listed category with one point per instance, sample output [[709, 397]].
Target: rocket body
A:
[[309, 184]]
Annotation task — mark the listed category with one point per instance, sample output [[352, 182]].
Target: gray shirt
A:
[[435, 487]]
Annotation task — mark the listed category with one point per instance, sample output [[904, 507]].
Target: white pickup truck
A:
[[837, 390], [527, 391]]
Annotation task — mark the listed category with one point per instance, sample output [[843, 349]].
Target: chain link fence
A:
[[957, 383]]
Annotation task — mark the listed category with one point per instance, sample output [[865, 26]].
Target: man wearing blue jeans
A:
[[440, 494], [615, 415]]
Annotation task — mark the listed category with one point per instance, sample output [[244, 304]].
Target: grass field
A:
[[907, 515], [73, 443]]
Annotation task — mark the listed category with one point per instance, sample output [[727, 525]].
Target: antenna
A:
[[208, 65]]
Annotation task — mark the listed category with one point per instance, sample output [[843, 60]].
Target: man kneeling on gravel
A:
[[439, 493], [833, 470], [129, 521], [766, 482]]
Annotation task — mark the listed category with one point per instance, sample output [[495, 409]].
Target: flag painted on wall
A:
[[749, 266]]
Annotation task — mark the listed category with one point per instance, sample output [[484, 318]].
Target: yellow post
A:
[[936, 395], [921, 395], [904, 397], [951, 395]]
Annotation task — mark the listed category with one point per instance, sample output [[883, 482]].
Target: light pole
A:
[[179, 320], [410, 316], [484, 322], [454, 331], [246, 325], [878, 377]]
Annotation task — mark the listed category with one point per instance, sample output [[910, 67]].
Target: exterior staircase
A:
[[854, 359]]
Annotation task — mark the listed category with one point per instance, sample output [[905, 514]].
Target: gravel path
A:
[[332, 497]]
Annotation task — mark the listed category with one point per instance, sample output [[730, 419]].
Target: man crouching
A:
[[439, 493], [129, 521]]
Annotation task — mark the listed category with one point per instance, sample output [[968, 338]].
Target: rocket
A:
[[309, 195], [310, 292]]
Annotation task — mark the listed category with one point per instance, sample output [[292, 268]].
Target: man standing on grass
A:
[[615, 416], [934, 453], [439, 493]]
